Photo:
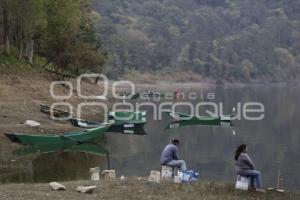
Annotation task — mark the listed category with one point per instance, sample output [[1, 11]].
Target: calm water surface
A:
[[273, 144]]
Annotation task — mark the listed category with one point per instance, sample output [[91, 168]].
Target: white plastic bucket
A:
[[242, 183]]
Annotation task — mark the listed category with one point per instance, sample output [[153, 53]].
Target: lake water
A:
[[273, 143]]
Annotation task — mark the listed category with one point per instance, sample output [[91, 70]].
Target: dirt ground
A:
[[133, 188], [22, 94]]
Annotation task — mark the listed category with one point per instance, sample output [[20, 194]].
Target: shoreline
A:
[[138, 188], [162, 86]]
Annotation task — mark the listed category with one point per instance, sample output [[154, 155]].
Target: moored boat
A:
[[182, 119], [78, 137], [135, 128], [126, 116]]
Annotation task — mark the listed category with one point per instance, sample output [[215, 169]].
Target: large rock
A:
[[109, 174], [83, 189], [57, 186], [154, 176]]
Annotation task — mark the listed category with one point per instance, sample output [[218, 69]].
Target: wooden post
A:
[[108, 163], [278, 179]]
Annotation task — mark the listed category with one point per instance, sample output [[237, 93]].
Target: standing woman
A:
[[245, 167]]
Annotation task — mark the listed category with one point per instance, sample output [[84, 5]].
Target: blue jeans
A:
[[177, 163], [255, 177]]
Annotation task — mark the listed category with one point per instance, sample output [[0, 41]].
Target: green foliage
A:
[[219, 39], [62, 31], [68, 41]]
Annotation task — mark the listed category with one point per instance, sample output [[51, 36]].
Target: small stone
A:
[[154, 176], [101, 97], [88, 189], [32, 123], [109, 174], [57, 186]]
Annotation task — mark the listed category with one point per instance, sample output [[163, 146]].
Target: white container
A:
[[242, 183], [166, 172], [95, 176], [177, 179]]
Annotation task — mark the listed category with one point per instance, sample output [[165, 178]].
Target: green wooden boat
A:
[[182, 119], [126, 117], [152, 94], [85, 124], [55, 111], [78, 137], [135, 128], [143, 95], [61, 147], [128, 128], [131, 96]]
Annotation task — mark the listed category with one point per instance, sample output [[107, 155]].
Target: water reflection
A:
[[55, 161], [61, 147]]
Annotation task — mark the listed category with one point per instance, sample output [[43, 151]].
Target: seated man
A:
[[169, 156]]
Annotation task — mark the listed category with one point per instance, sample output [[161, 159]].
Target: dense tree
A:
[[61, 31], [69, 41]]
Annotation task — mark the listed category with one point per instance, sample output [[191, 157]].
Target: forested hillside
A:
[[232, 40], [56, 34], [220, 39]]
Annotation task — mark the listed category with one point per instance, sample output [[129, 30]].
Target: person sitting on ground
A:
[[246, 168], [169, 156]]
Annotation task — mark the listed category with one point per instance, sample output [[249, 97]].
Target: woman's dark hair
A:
[[239, 150], [175, 141]]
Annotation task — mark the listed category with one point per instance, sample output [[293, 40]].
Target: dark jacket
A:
[[243, 164], [169, 153]]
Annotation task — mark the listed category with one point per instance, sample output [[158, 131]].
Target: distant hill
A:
[[200, 40], [229, 40]]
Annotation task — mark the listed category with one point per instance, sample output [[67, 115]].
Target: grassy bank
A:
[[138, 189]]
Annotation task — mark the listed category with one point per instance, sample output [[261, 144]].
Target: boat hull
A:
[[135, 128], [203, 121], [127, 117], [87, 135]]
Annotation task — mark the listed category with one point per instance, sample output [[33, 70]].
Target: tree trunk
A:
[[20, 38], [7, 44], [6, 28], [20, 50], [29, 50]]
